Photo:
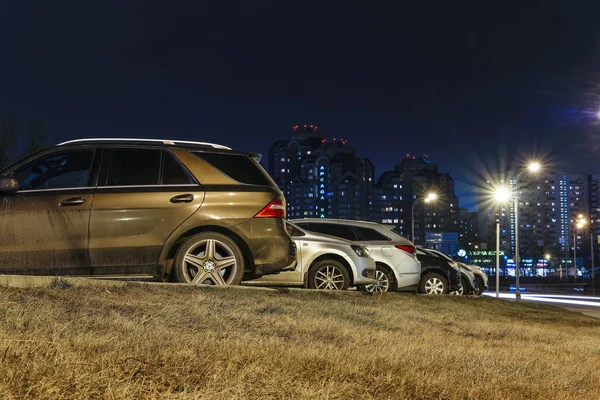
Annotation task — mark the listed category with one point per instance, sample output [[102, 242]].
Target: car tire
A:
[[433, 284], [465, 288], [479, 286], [386, 281], [328, 275], [459, 292], [209, 258]]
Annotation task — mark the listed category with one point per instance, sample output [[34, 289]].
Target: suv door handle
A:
[[73, 201], [182, 198]]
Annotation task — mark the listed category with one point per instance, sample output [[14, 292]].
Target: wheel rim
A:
[[459, 292], [477, 288], [209, 261], [329, 277], [382, 283], [434, 286]]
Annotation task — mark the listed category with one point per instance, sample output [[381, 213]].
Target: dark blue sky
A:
[[471, 84]]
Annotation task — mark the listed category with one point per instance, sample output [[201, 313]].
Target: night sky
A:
[[473, 86]]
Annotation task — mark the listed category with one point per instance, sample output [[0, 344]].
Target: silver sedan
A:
[[324, 262]]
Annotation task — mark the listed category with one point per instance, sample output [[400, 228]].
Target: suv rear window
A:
[[238, 167], [341, 231], [368, 234]]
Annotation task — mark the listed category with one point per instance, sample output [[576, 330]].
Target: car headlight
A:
[[453, 265], [360, 251]]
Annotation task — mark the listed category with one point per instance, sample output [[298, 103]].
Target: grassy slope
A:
[[226, 343]]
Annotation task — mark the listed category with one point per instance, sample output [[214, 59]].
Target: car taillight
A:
[[275, 209], [407, 248]]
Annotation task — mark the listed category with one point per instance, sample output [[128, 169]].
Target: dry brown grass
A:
[[181, 342]]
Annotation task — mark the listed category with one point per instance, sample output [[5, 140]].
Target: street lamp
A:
[[532, 167], [501, 195], [431, 196], [579, 224]]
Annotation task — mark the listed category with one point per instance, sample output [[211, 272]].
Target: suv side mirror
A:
[[8, 184]]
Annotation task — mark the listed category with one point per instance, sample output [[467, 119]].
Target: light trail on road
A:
[[557, 299]]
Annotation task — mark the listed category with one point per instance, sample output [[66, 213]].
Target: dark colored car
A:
[[439, 275], [198, 212]]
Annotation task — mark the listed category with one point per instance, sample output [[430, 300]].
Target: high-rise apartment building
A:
[[396, 191], [321, 177], [468, 236]]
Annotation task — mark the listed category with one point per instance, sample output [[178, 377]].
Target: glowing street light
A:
[[501, 195], [532, 167], [429, 198]]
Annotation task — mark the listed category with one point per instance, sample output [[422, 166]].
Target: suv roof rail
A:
[[163, 141]]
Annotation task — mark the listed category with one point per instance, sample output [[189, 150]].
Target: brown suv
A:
[[198, 212]]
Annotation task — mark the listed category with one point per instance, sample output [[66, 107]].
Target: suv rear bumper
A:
[[273, 250]]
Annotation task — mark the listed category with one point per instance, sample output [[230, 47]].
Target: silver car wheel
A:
[[209, 261], [459, 292], [382, 283], [329, 277], [477, 288], [434, 285]]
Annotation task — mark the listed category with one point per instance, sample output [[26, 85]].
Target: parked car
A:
[[143, 208], [324, 262], [439, 275], [481, 278], [394, 255], [469, 285], [467, 278]]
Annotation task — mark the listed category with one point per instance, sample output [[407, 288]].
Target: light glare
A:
[[534, 166], [431, 197], [501, 194]]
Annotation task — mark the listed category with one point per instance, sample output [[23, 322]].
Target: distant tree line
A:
[[17, 141]]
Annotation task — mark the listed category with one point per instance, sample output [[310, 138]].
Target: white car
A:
[[395, 256], [324, 262]]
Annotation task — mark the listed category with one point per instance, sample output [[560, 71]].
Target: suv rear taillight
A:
[[275, 209], [406, 247]]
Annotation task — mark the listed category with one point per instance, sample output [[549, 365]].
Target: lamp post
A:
[[431, 196], [592, 260], [531, 167], [501, 195], [579, 224]]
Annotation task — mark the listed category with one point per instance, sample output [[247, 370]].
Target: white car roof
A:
[[384, 229], [366, 224]]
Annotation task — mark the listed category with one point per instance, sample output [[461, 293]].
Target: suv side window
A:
[[341, 231], [57, 170], [133, 167], [173, 173], [368, 234]]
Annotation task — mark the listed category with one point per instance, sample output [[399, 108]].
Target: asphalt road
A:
[[588, 305]]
